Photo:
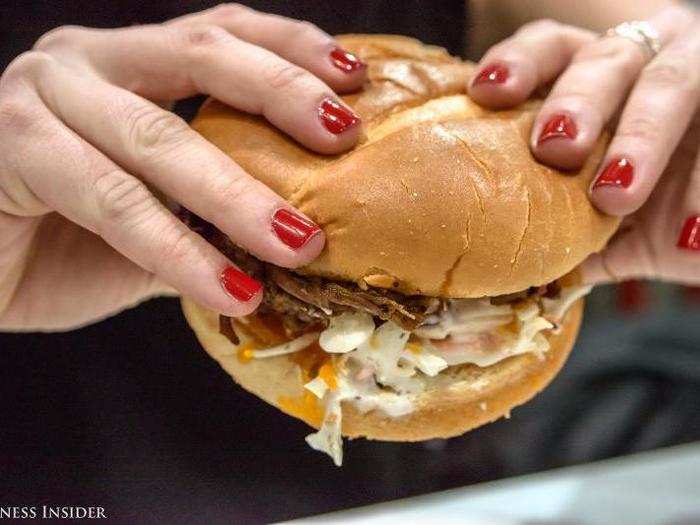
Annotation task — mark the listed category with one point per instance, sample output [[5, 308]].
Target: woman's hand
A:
[[82, 139], [654, 102]]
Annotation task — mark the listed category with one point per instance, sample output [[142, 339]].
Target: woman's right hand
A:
[[82, 139]]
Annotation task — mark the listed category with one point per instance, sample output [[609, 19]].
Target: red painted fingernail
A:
[[689, 238], [618, 173], [559, 126], [491, 74], [345, 60], [293, 229], [335, 117], [239, 285]]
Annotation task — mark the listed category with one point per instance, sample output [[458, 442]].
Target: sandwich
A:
[[447, 292]]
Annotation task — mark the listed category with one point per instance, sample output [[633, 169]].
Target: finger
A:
[[70, 261], [663, 240], [76, 180], [301, 43], [166, 153], [655, 118], [688, 225], [176, 61], [671, 252], [587, 95], [628, 256], [511, 70]]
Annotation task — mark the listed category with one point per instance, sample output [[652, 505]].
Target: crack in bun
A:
[[441, 197]]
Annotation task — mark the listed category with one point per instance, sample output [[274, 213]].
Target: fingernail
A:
[[689, 238], [559, 126], [491, 74], [345, 60], [618, 173], [293, 229], [239, 285], [335, 117]]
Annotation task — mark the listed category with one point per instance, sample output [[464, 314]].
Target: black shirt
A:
[[437, 22]]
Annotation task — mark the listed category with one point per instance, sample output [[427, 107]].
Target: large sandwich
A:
[[446, 293]]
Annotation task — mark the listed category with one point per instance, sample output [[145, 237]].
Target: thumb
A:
[[628, 256]]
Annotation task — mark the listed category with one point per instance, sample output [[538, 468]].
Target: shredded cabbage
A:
[[289, 347], [346, 332], [381, 370]]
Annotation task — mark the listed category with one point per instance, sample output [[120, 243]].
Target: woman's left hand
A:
[[599, 80]]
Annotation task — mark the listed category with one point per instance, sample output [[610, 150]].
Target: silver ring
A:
[[641, 33]]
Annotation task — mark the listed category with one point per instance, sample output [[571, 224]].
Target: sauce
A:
[[414, 347], [245, 352], [327, 373], [306, 407], [310, 360], [313, 362], [265, 329]]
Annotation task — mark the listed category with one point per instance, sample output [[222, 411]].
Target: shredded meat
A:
[[329, 297], [226, 329], [551, 291], [303, 300]]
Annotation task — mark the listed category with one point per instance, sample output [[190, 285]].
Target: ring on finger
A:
[[641, 33]]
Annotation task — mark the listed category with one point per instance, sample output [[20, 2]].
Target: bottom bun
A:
[[458, 399]]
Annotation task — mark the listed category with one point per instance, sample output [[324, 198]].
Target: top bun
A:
[[441, 197]]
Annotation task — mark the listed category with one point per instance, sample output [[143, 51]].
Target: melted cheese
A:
[[306, 408]]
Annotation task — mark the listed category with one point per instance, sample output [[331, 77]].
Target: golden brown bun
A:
[[458, 399], [441, 196]]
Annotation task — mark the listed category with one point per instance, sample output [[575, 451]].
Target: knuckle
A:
[[60, 37], [16, 115], [177, 249], [26, 65], [230, 10], [619, 51], [542, 25], [233, 189], [154, 132], [120, 199], [673, 73], [281, 75], [640, 128], [204, 35], [302, 28]]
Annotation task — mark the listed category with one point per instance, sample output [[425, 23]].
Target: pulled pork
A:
[[305, 300]]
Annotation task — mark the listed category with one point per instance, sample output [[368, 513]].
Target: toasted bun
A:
[[440, 198], [457, 400]]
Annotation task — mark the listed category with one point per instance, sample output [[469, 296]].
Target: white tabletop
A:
[[660, 487]]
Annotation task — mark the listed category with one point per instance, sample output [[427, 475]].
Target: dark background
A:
[[130, 414]]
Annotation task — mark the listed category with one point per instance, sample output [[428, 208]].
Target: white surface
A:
[[660, 487]]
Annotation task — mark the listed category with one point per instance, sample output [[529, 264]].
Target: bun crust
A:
[[457, 400], [442, 197]]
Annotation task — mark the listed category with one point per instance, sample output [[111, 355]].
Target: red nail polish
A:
[[492, 74], [618, 173], [559, 126], [293, 229], [689, 238], [238, 284], [336, 118], [345, 60]]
